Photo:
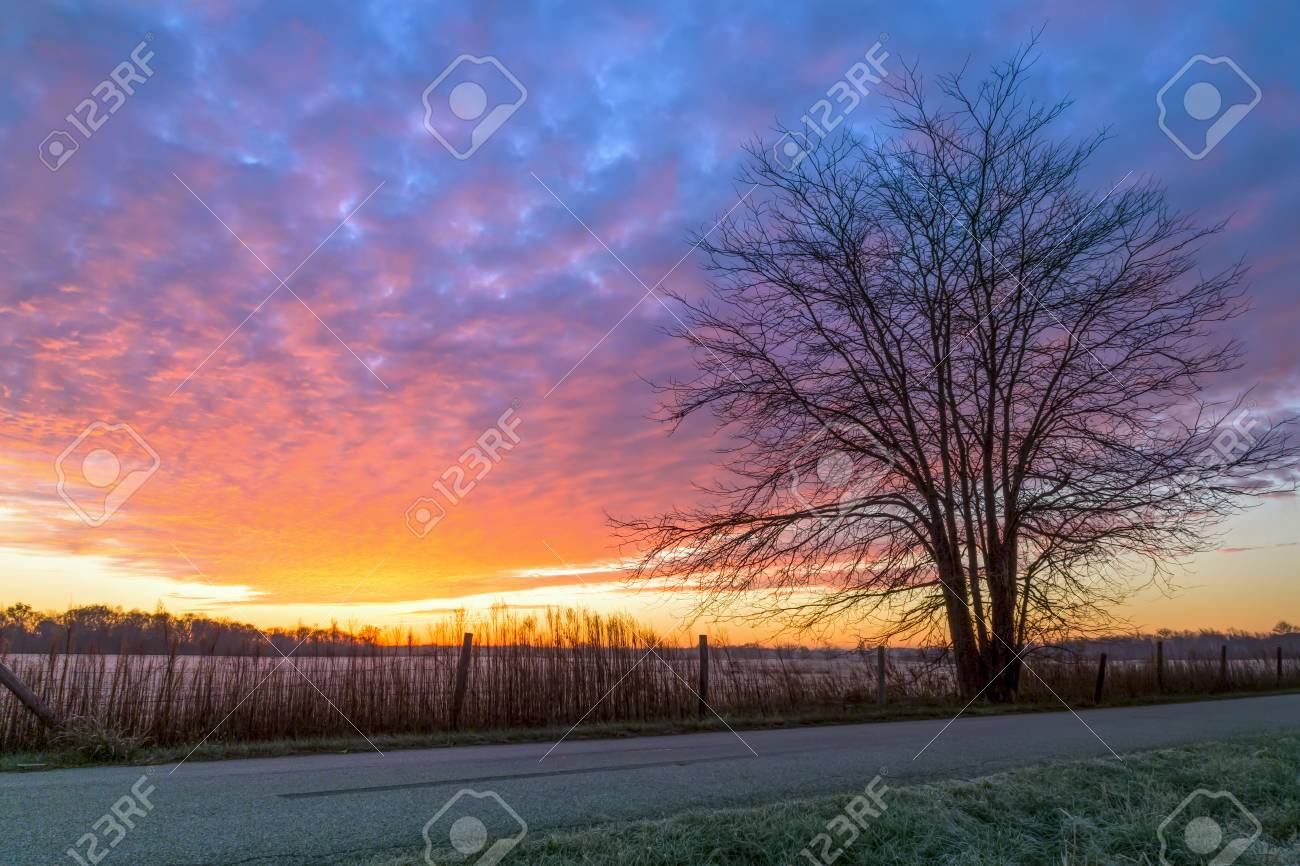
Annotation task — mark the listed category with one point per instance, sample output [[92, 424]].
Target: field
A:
[[565, 668]]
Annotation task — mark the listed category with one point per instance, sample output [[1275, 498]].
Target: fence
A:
[[182, 699]]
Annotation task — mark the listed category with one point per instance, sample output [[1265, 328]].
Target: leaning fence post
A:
[[462, 675], [1101, 680], [29, 698], [880, 676], [704, 675], [1160, 666], [1223, 667]]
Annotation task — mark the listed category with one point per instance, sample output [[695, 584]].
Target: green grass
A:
[[1083, 813], [217, 750]]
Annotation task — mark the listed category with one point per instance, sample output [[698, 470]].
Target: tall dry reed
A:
[[553, 669]]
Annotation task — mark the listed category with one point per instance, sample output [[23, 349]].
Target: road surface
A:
[[342, 808]]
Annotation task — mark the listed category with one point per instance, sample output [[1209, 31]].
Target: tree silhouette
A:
[[966, 396]]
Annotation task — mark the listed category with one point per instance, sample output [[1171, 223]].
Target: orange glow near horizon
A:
[[277, 514], [1218, 591]]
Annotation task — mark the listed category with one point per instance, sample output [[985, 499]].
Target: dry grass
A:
[[527, 672], [1074, 681], [546, 671]]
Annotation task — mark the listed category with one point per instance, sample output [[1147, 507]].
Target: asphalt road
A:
[[343, 808]]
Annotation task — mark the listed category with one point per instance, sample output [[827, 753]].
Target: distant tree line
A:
[[102, 629], [99, 628], [1185, 644]]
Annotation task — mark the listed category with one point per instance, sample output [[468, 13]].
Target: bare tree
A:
[[964, 395]]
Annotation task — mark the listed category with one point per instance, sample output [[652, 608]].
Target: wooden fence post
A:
[[1101, 680], [704, 675], [1279, 666], [462, 676], [29, 698], [880, 676], [1223, 667], [1160, 666]]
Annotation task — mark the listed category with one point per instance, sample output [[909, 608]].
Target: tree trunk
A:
[[1006, 684], [971, 676], [1004, 644]]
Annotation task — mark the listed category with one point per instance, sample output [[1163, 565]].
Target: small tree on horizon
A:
[[966, 395]]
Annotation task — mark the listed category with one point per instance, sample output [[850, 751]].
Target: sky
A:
[[281, 439]]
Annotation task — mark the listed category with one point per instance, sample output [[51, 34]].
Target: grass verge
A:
[[1082, 813], [59, 758]]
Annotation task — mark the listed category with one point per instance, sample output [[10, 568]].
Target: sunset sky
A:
[[293, 427]]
